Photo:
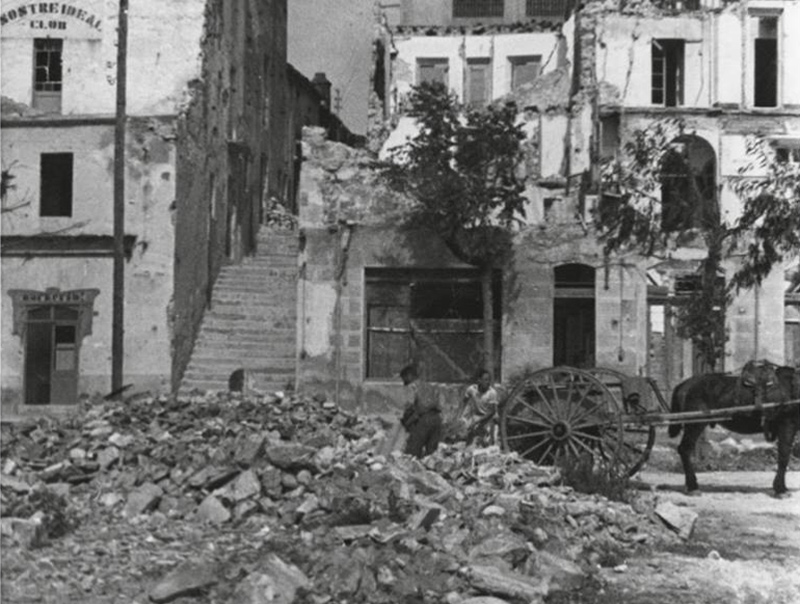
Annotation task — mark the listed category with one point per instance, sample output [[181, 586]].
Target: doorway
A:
[[574, 316]]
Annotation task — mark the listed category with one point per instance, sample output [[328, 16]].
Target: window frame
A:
[[483, 65], [47, 93], [423, 62], [667, 64], [515, 62], [755, 18]]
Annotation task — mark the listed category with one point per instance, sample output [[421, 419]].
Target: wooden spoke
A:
[[534, 447], [547, 418], [528, 434]]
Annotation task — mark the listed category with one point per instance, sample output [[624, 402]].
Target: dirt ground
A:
[[745, 546]]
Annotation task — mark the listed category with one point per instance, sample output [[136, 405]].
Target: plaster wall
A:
[[163, 53], [755, 323], [500, 48], [150, 191], [623, 59], [718, 60]]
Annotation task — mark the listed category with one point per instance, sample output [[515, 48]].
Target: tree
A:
[[655, 199], [462, 173]]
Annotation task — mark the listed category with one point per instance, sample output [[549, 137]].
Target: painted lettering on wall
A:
[[50, 15]]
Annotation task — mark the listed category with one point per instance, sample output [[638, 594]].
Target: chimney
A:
[[323, 87]]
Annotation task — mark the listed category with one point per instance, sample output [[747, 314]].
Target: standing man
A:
[[422, 416], [479, 408]]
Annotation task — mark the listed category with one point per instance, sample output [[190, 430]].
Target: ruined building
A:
[[213, 117], [371, 295]]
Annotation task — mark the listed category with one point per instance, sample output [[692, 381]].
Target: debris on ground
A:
[[226, 498]]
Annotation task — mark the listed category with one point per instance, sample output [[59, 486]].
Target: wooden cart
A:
[[603, 413]]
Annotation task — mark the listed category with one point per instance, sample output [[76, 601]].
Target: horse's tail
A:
[[677, 404]]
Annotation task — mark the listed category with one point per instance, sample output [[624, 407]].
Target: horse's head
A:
[[768, 382]]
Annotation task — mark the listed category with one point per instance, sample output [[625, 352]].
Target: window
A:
[[479, 82], [47, 74], [765, 61], [574, 315], [609, 136], [547, 8], [787, 155], [51, 355], [434, 316], [524, 70], [55, 188], [477, 8], [432, 70], [688, 185], [667, 72]]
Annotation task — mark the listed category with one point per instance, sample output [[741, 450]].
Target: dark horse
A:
[[759, 383]]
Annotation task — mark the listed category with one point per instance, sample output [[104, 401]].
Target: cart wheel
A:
[[562, 412], [638, 396]]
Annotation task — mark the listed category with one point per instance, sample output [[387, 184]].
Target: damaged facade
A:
[[373, 295], [214, 117], [58, 82]]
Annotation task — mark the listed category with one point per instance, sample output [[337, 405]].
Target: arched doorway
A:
[[574, 316], [689, 185]]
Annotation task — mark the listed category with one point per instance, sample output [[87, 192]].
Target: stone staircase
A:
[[252, 320]]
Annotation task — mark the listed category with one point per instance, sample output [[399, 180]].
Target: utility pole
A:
[[118, 310]]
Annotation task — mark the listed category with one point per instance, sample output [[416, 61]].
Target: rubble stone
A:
[[510, 584], [246, 486], [143, 499], [213, 511], [189, 579], [681, 520]]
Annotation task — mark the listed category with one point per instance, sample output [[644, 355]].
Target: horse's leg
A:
[[691, 432], [786, 433]]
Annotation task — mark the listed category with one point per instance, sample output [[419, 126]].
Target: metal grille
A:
[[547, 8], [477, 8]]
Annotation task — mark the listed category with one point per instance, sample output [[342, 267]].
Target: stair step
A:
[[254, 361]]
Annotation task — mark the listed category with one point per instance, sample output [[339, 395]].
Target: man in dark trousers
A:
[[422, 416]]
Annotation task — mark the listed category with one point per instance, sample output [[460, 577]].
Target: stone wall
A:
[[231, 148]]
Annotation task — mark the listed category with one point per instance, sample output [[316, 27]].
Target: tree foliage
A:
[[463, 170], [654, 200]]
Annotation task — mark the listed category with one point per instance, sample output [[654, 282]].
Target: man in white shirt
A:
[[479, 410]]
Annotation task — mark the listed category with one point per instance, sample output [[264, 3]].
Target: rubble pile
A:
[[293, 503]]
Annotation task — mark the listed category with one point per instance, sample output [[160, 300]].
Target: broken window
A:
[[547, 8], [429, 315], [51, 355], [524, 70], [47, 74], [432, 71], [477, 8], [479, 82], [667, 72], [765, 60], [688, 185], [55, 190]]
